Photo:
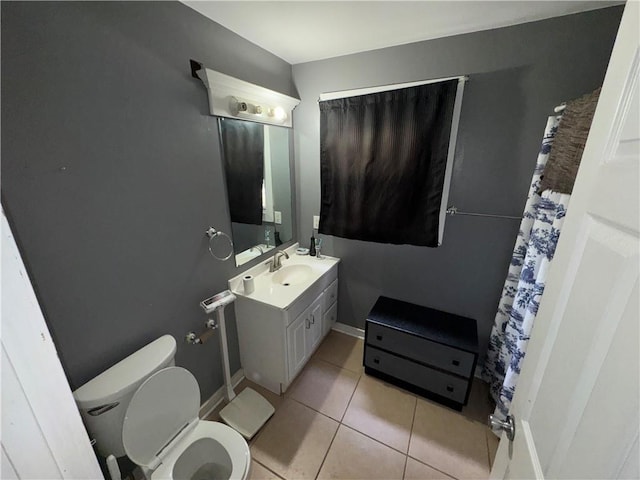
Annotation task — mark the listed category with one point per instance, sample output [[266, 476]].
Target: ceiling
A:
[[303, 31]]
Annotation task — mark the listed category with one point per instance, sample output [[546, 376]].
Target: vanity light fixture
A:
[[278, 113], [235, 98]]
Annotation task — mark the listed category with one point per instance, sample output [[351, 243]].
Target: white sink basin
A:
[[292, 275], [282, 287]]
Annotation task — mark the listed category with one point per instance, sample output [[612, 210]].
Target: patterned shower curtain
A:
[[536, 243]]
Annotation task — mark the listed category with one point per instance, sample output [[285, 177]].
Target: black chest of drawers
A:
[[426, 351]]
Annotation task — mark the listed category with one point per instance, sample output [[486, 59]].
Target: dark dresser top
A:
[[435, 325]]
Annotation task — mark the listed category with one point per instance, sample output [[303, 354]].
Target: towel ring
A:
[[212, 233]]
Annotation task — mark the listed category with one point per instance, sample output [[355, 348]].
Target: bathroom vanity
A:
[[284, 319]]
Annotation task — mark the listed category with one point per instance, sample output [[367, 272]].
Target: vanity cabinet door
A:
[[315, 330], [297, 334], [329, 318]]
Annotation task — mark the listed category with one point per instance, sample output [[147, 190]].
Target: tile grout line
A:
[[360, 374], [413, 421], [326, 454], [339, 422], [331, 363], [350, 398], [374, 439], [318, 359], [408, 449], [432, 467], [404, 470], [266, 468], [486, 439], [351, 428], [287, 396]]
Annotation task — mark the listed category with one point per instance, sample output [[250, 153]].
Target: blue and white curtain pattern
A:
[[523, 288]]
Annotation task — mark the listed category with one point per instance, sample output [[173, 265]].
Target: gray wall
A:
[[111, 172], [517, 75]]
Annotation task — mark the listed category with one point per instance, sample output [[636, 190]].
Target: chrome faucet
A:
[[275, 263]]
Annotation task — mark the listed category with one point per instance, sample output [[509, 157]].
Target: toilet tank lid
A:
[[127, 374]]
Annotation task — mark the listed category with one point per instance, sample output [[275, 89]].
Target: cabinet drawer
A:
[[420, 349], [445, 385], [331, 295]]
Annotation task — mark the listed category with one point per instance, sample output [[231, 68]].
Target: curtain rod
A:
[[385, 88], [454, 211]]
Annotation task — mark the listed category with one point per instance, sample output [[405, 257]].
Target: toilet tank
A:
[[103, 401]]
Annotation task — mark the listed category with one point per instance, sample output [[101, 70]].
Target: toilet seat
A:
[[162, 422], [233, 442]]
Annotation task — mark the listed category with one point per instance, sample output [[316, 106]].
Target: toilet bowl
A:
[[162, 433], [213, 451]]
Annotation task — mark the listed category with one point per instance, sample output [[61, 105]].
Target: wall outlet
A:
[[316, 221], [277, 217]]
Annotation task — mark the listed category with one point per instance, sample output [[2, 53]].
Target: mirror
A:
[[257, 170]]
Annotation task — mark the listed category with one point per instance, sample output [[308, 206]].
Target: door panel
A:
[[601, 419], [576, 403], [296, 344], [605, 272]]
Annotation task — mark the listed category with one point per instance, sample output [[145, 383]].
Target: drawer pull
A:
[[376, 361], [378, 337], [449, 388], [456, 362]]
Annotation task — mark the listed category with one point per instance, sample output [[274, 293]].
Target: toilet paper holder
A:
[[210, 305], [194, 339]]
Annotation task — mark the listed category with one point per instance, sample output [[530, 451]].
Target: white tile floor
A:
[[336, 422]]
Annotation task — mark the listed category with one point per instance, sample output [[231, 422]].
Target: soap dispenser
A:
[[312, 247]]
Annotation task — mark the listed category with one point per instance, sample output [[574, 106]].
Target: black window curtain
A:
[[243, 152], [382, 164]]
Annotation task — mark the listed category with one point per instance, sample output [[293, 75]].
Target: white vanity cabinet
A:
[[276, 341]]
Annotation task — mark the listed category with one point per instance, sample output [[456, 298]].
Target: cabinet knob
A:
[[313, 319], [378, 337], [449, 388], [307, 322], [376, 360], [455, 362]]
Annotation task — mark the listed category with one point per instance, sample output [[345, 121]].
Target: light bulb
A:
[[279, 113]]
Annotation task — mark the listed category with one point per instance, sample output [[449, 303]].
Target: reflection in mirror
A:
[[256, 166]]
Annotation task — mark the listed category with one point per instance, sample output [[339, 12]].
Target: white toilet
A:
[[148, 409]]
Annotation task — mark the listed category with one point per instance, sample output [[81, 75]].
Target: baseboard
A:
[[214, 400], [348, 330]]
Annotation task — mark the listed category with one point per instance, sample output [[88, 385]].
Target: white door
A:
[[576, 405], [42, 432]]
